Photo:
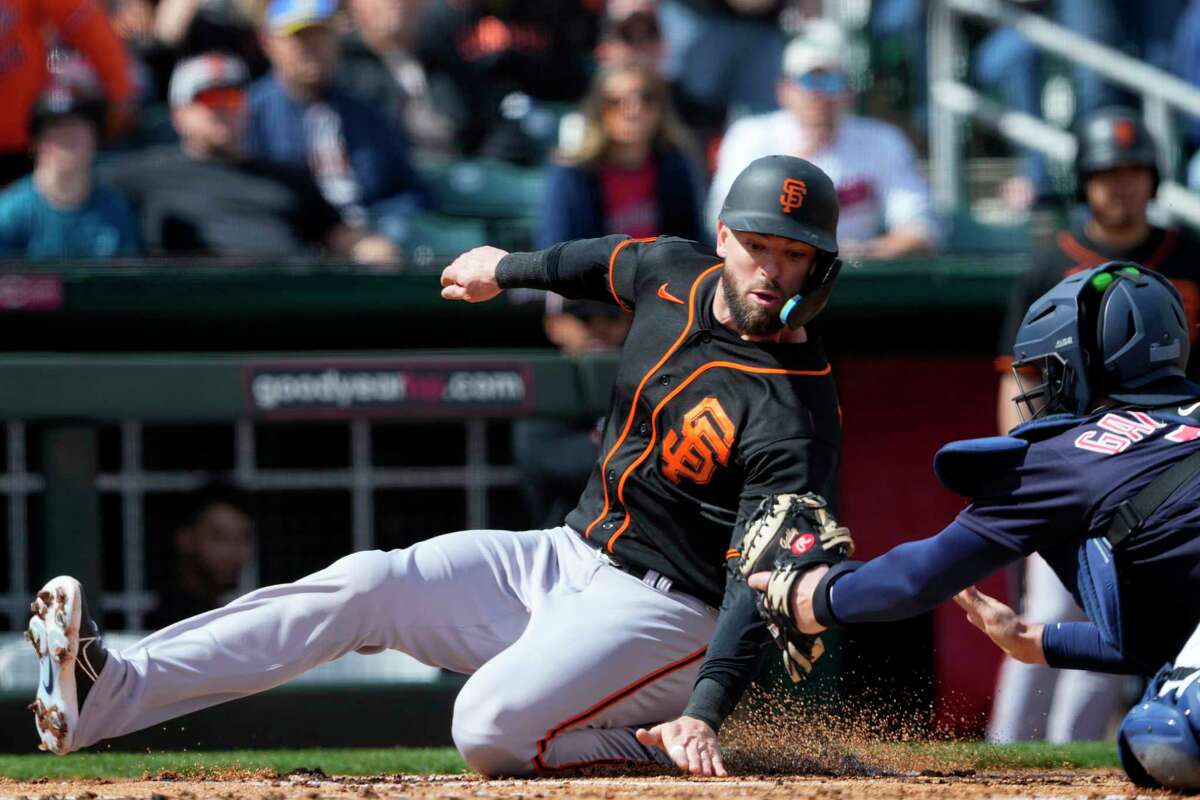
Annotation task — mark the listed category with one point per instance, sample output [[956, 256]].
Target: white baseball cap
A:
[[821, 44]]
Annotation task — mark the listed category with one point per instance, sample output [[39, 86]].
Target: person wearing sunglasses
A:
[[205, 197], [629, 172], [884, 200]]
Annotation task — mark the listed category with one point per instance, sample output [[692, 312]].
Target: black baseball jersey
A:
[[1170, 251], [702, 426]]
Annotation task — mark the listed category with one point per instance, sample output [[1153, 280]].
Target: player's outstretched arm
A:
[[472, 276], [690, 743]]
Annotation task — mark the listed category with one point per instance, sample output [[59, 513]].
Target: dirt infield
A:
[[909, 786]]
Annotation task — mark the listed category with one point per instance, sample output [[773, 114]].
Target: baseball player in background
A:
[[1102, 482], [580, 638]]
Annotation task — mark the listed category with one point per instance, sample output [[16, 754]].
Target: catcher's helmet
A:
[[790, 197], [66, 99], [1110, 138], [1117, 330]]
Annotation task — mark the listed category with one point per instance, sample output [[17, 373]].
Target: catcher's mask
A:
[[790, 197], [1109, 331]]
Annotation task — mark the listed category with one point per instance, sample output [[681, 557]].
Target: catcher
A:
[[1103, 481]]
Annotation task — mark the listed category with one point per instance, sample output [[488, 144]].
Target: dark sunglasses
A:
[[647, 97], [639, 28], [824, 81]]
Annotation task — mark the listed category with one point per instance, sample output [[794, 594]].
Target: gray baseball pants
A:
[[567, 654]]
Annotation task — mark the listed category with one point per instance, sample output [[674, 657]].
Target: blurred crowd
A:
[[274, 129], [277, 129]]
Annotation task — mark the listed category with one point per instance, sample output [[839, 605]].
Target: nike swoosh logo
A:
[[1187, 411], [48, 684], [665, 295]]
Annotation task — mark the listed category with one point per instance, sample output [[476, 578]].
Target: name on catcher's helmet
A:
[[790, 197], [1117, 331]]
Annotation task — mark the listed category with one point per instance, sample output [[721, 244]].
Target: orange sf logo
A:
[[1124, 133], [792, 198], [705, 443]]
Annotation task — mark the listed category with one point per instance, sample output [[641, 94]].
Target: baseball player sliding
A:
[[617, 637], [1102, 482]]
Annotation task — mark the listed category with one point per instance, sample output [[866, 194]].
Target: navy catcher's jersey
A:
[[1066, 489]]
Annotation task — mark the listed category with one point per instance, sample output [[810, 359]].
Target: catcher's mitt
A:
[[788, 535]]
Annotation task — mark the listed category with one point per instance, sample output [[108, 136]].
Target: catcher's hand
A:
[[788, 535]]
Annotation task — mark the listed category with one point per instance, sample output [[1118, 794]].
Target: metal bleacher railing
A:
[[954, 101]]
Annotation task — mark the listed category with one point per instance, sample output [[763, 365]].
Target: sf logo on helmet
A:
[[792, 198], [802, 544]]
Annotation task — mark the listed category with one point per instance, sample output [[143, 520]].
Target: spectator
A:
[[204, 197], [723, 55], [26, 61], [59, 211], [377, 62], [494, 64], [885, 209], [161, 33], [355, 153], [555, 456], [630, 33], [213, 543], [629, 174], [1117, 174]]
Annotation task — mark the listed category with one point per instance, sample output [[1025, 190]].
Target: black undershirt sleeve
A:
[[734, 657], [577, 269]]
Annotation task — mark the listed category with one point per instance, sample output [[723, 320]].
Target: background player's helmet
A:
[[1109, 138], [1115, 330], [790, 197]]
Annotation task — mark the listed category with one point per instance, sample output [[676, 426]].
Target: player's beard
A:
[[750, 319]]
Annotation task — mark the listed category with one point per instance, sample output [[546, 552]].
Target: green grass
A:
[[1025, 755], [133, 765], [951, 755]]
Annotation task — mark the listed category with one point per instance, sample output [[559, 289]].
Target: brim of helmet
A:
[[1115, 159], [778, 225], [1160, 393]]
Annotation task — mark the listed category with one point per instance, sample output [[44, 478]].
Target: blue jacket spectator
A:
[[355, 153], [629, 173], [59, 211], [573, 206]]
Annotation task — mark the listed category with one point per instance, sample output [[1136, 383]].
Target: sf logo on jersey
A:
[[703, 443]]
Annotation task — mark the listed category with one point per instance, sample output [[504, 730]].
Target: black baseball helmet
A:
[[65, 99], [1110, 138], [790, 197]]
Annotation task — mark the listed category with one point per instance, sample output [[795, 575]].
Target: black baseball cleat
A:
[[70, 658]]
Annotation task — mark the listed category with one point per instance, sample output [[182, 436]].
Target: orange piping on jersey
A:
[[654, 416], [612, 699], [637, 393], [732, 554], [612, 264], [1165, 248], [1077, 252]]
